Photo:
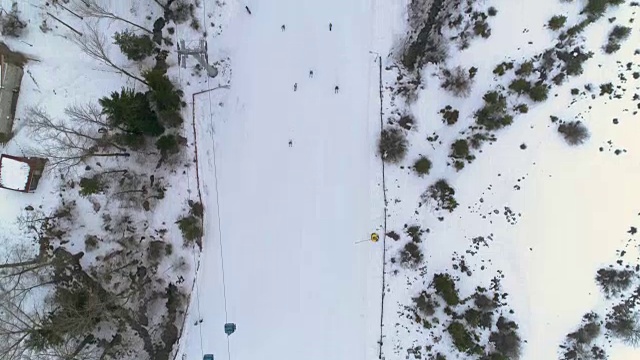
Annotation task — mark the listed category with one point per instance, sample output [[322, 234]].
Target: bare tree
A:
[[92, 9], [67, 144], [95, 44]]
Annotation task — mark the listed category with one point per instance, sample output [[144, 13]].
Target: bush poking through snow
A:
[[425, 304], [392, 146], [407, 121], [449, 115], [506, 340], [443, 194], [168, 145], [191, 225], [622, 323], [462, 339], [493, 114], [458, 81], [422, 166], [181, 11], [616, 36], [557, 22], [190, 228], [92, 185], [460, 149], [91, 243], [613, 281], [446, 288], [135, 47], [574, 133], [10, 23], [578, 344], [520, 86], [596, 8], [411, 256], [539, 92]]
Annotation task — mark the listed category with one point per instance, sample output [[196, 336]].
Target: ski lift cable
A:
[[215, 173]]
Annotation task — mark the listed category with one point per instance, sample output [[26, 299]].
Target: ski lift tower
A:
[[199, 52]]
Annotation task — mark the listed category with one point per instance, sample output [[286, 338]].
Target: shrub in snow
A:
[[502, 68], [492, 11], [483, 302], [392, 145], [573, 60], [596, 8], [163, 92], [10, 23], [168, 145], [407, 121], [617, 35], [449, 115], [156, 251], [425, 305], [181, 11], [135, 47], [493, 115], [574, 133], [422, 166], [557, 22], [613, 281], [520, 86], [458, 81], [521, 108], [539, 92], [446, 288], [589, 330], [579, 344], [443, 194], [411, 255], [415, 233], [506, 340], [462, 339], [196, 208], [525, 69], [472, 317], [460, 149], [190, 228], [92, 185], [91, 242], [622, 323]]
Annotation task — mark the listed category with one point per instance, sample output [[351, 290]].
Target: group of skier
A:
[[336, 89]]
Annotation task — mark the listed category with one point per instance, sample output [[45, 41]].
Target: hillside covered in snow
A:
[[362, 179]]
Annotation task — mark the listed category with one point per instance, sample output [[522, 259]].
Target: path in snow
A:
[[297, 284]]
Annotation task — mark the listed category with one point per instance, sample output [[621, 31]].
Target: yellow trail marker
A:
[[374, 237]]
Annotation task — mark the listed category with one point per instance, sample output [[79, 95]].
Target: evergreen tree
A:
[[130, 111], [135, 47]]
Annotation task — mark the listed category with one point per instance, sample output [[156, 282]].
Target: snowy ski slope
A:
[[297, 284]]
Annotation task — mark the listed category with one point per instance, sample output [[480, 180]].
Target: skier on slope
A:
[[310, 73], [336, 89], [330, 26], [295, 87], [283, 27], [247, 8]]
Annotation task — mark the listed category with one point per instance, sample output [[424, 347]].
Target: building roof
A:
[[10, 79], [14, 173]]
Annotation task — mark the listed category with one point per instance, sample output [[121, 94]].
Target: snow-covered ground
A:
[[285, 255]]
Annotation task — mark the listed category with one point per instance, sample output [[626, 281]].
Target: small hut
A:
[[20, 173]]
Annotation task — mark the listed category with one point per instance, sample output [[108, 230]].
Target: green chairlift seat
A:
[[229, 328]]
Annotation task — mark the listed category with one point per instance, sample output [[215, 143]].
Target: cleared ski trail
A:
[[297, 285]]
